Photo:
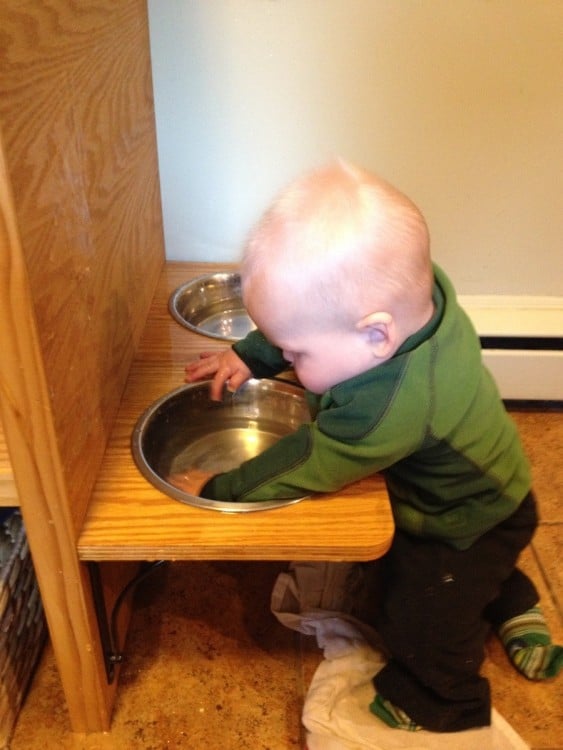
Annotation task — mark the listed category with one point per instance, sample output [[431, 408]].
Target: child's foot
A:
[[391, 715], [528, 644]]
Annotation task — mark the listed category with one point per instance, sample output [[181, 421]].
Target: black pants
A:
[[439, 604]]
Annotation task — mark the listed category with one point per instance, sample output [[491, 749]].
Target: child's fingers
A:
[[225, 368], [222, 376], [202, 368], [236, 380]]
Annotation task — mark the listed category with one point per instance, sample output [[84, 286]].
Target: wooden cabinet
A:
[[87, 342], [81, 249]]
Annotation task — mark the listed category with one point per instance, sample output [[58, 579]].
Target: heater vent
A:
[[522, 340]]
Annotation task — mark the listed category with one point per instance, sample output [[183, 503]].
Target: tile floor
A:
[[209, 668]]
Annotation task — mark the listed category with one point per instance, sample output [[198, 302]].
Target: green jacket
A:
[[430, 419]]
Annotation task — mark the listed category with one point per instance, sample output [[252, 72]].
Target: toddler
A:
[[338, 278]]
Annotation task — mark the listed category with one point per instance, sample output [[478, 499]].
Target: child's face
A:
[[321, 356]]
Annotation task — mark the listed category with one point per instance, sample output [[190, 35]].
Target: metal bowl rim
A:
[[183, 497], [172, 306]]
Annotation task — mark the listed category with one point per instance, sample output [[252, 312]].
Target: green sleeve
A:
[[262, 358], [316, 458], [303, 463]]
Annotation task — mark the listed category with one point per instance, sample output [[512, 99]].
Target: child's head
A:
[[339, 263]]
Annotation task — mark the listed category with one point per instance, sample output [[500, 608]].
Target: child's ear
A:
[[381, 333]]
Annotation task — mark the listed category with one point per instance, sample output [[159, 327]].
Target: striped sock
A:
[[391, 715], [528, 644]]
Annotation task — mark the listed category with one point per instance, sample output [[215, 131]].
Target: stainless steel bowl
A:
[[212, 305], [184, 430]]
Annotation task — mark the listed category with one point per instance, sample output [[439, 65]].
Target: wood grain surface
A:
[[29, 427], [77, 118], [8, 492], [81, 249]]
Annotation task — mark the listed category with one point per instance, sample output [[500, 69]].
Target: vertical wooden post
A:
[[34, 454], [81, 250]]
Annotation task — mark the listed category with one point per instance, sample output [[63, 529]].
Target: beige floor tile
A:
[[207, 667], [547, 546], [534, 709], [542, 436]]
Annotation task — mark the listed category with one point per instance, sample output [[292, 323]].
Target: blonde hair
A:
[[345, 239]]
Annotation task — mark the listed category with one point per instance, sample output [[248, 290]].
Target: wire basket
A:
[[22, 621]]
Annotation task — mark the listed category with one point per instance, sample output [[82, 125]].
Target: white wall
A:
[[457, 102]]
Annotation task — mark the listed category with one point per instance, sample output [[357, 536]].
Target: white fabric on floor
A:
[[336, 712]]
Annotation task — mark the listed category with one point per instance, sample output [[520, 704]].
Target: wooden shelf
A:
[[8, 493], [128, 519]]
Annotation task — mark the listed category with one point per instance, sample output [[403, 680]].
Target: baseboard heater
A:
[[522, 342]]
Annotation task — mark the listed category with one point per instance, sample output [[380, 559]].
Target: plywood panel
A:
[[77, 119], [27, 419], [80, 252]]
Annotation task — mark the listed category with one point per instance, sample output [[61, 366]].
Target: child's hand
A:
[[190, 481], [226, 368]]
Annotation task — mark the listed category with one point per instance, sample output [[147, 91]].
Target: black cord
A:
[[116, 656]]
